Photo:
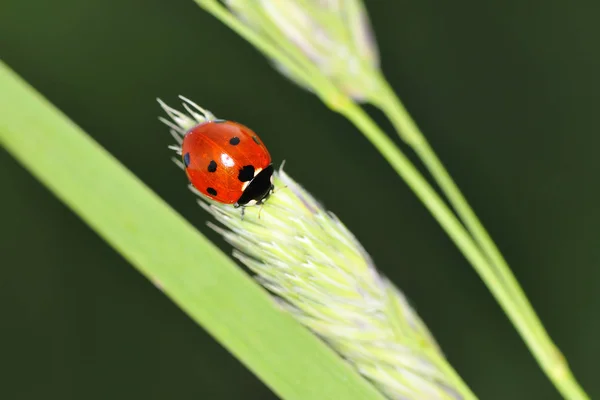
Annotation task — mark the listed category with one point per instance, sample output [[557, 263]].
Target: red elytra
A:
[[228, 162]]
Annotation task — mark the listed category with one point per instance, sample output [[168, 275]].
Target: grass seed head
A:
[[334, 35], [320, 273]]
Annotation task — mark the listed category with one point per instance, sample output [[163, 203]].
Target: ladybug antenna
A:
[[277, 189], [206, 115]]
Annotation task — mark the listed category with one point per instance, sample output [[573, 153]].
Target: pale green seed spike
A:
[[335, 36], [320, 274], [182, 121], [295, 248]]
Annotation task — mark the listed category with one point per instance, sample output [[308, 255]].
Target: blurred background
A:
[[507, 92]]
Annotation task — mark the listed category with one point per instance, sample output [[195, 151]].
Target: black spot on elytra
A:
[[186, 159], [246, 173], [211, 191], [212, 166], [234, 141], [256, 140]]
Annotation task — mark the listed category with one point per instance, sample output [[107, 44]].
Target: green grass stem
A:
[[528, 323]]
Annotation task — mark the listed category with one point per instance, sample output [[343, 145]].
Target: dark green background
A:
[[507, 93]]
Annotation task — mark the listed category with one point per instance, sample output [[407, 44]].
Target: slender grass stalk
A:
[[545, 351], [325, 278], [197, 276], [296, 58]]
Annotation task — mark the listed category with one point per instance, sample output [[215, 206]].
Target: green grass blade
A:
[[197, 276]]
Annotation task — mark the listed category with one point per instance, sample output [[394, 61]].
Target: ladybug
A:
[[228, 162]]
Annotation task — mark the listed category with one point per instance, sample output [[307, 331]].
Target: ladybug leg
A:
[[238, 205], [260, 209], [275, 190]]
